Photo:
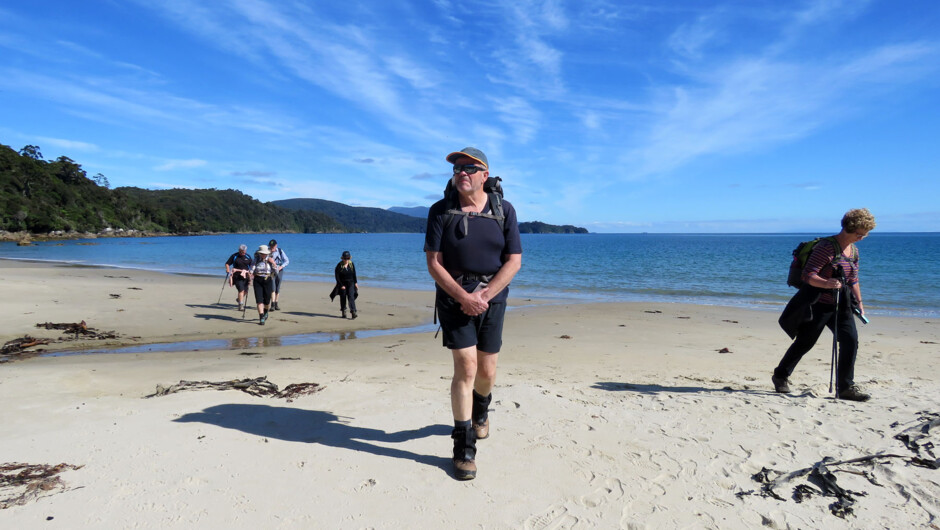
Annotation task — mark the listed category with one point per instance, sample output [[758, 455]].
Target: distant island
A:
[[56, 198]]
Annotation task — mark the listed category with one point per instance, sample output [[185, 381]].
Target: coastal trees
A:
[[101, 180], [42, 196], [31, 151]]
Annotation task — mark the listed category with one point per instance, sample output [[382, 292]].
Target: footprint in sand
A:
[[586, 508], [555, 518], [610, 490]]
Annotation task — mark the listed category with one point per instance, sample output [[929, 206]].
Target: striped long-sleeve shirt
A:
[[819, 263]]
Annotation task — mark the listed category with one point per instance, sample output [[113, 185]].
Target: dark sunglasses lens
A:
[[469, 169]]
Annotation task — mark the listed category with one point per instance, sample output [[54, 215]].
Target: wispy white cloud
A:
[[257, 174], [70, 145], [690, 38], [418, 76], [172, 165], [521, 116], [754, 102]]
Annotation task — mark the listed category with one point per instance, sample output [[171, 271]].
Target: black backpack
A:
[[494, 193], [801, 254]]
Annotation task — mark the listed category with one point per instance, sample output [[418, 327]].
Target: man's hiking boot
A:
[[465, 452], [479, 416], [482, 429], [344, 313], [275, 307], [781, 384], [465, 469], [354, 315], [854, 393]]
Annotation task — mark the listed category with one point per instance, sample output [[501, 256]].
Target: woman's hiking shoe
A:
[[781, 384], [482, 429], [854, 393], [354, 315], [344, 313]]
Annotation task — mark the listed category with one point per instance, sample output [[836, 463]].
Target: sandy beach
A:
[[605, 415]]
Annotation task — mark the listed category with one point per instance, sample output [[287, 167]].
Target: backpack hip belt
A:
[[471, 277]]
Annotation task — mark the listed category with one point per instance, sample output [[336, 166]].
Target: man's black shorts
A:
[[240, 282], [463, 331]]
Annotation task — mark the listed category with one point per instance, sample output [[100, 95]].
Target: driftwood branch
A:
[[21, 483], [259, 386]]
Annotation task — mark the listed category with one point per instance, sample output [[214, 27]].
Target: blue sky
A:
[[655, 116]]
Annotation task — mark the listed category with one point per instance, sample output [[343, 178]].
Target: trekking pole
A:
[[225, 281], [834, 370]]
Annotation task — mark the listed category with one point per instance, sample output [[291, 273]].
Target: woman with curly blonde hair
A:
[[830, 276]]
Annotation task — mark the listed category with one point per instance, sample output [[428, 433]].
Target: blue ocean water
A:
[[898, 275]]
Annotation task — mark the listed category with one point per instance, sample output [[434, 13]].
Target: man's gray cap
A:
[[470, 152]]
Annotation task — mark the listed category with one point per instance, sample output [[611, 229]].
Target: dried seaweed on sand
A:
[[78, 328], [26, 341], [21, 483], [822, 474], [259, 387]]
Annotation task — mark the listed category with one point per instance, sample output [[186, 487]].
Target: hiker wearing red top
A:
[[831, 267]]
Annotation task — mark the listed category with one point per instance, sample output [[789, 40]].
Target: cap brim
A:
[[452, 158]]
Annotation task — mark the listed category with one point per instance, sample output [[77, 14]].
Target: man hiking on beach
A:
[[238, 268], [473, 251], [280, 258]]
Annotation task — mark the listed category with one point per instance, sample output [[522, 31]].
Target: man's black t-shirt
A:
[[239, 262], [480, 250]]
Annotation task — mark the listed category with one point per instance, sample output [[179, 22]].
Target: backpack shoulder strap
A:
[[836, 246], [496, 210]]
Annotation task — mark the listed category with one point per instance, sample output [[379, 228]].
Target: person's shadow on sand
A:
[[611, 386], [314, 426]]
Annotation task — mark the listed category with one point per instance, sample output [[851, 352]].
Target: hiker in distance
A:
[[830, 275], [263, 280], [238, 268], [281, 261], [347, 286], [473, 251]]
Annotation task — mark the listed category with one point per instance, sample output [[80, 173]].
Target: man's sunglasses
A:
[[469, 169]]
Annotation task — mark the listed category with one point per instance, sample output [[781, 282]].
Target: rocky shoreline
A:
[[27, 238]]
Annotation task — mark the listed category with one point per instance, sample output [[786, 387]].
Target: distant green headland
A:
[[56, 197]]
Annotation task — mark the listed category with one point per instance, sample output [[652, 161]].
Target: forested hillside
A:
[[42, 196], [357, 218]]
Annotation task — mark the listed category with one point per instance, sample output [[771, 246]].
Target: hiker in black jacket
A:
[[347, 286], [832, 267]]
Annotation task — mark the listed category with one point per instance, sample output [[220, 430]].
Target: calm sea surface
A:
[[898, 271]]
